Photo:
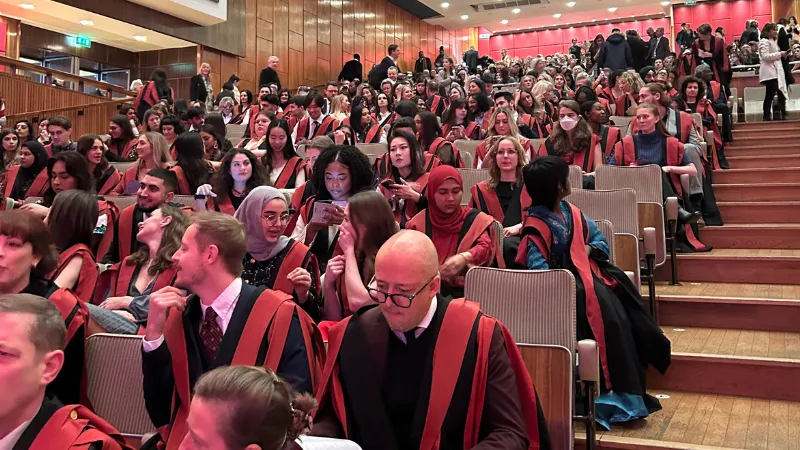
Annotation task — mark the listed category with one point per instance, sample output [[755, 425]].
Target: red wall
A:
[[729, 15], [548, 42]]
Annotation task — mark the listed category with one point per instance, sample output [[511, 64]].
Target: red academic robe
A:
[[409, 209], [481, 151], [88, 274], [720, 62], [39, 186], [541, 128], [125, 153], [462, 323], [271, 316], [288, 176], [326, 127], [484, 199], [113, 178], [583, 159], [71, 427], [108, 208], [298, 255], [439, 143], [609, 136], [183, 183], [117, 279], [471, 131], [383, 164]]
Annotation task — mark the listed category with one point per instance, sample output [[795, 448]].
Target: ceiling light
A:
[[516, 10], [612, 9], [464, 17], [504, 21], [594, 20], [87, 23], [557, 15], [140, 38], [665, 3], [26, 6], [571, 4], [445, 5]]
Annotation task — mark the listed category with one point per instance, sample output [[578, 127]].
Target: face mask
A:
[[568, 123]]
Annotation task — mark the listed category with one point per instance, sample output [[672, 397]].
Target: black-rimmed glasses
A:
[[399, 300]]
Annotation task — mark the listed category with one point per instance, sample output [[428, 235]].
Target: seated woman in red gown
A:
[[556, 235], [274, 260], [367, 226], [106, 177], [464, 237], [503, 196], [431, 139], [71, 222], [286, 169], [405, 184], [191, 167], [238, 175], [501, 123], [29, 178], [152, 151], [457, 124], [122, 145], [122, 296]]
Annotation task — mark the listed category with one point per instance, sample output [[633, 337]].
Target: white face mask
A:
[[568, 123]]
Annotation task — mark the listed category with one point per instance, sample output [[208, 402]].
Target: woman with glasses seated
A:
[[369, 223], [274, 260]]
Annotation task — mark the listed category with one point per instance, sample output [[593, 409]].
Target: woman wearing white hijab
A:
[[274, 260]]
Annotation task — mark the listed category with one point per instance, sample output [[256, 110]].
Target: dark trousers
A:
[[725, 110], [772, 89]]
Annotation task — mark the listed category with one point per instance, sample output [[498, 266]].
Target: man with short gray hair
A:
[[269, 75]]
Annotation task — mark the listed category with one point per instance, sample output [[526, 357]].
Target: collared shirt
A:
[[426, 321], [223, 305], [10, 440], [318, 122]]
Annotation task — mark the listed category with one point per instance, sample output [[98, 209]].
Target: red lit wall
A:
[[729, 15], [548, 42]]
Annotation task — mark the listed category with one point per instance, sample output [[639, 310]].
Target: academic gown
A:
[[266, 329], [507, 204], [470, 392], [59, 427], [323, 247], [84, 288], [608, 309]]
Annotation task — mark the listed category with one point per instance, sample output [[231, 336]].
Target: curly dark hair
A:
[[361, 175], [77, 166], [222, 181]]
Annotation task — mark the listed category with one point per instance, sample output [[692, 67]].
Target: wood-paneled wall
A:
[[179, 63], [85, 119], [42, 39], [23, 95], [314, 38]]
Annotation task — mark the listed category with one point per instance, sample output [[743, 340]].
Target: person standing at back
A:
[[352, 69], [685, 37], [615, 53], [471, 59], [269, 75], [390, 60], [659, 46]]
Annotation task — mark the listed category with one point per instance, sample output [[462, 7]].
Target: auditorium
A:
[[252, 224]]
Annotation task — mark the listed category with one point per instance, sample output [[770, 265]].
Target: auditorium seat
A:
[[607, 229], [373, 151], [538, 307], [123, 201], [234, 133], [124, 166], [575, 177], [618, 207], [471, 177], [467, 146], [114, 382], [753, 101], [621, 122], [535, 144]]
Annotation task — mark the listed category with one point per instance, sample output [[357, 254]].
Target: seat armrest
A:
[[588, 361], [650, 241]]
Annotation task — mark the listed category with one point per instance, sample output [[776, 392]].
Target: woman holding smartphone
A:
[[404, 185], [457, 124]]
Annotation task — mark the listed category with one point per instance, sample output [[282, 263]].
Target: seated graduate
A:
[[285, 167], [244, 407], [238, 175], [368, 224], [528, 125], [191, 168], [573, 141], [556, 235], [313, 149], [535, 119], [28, 256], [106, 177], [274, 260], [71, 222], [29, 178], [403, 187], [339, 173], [382, 164], [464, 237], [156, 188], [379, 390], [224, 322], [503, 196], [501, 123], [366, 130], [458, 125], [257, 142], [123, 290], [596, 116], [432, 141], [153, 151], [693, 92], [652, 144], [33, 338]]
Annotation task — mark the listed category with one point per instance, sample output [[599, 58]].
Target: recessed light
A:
[[612, 9], [140, 38], [665, 3], [594, 20], [571, 4], [87, 23], [504, 21], [445, 5], [557, 15], [26, 6], [516, 10], [464, 17]]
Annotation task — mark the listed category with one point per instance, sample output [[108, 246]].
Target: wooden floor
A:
[[732, 290], [716, 421], [745, 252], [711, 341]]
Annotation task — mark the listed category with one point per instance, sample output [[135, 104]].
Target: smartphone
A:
[[320, 208], [387, 184]]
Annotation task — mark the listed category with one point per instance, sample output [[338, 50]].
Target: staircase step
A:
[[783, 132], [760, 212], [753, 126], [771, 192], [736, 266], [767, 236], [756, 150], [764, 161], [757, 176], [758, 314], [761, 139]]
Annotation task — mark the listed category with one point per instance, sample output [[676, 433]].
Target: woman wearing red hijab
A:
[[464, 237]]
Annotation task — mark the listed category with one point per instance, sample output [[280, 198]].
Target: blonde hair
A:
[[511, 123], [491, 159], [336, 107], [634, 81], [160, 146], [226, 233]]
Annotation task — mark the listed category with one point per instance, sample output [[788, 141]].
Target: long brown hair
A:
[[581, 137], [170, 242], [371, 211], [28, 228], [72, 218], [512, 125], [491, 160]]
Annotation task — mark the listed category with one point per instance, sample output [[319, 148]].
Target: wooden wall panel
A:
[[180, 64], [85, 119], [23, 95]]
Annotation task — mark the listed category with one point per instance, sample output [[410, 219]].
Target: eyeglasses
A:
[[399, 300], [275, 218]]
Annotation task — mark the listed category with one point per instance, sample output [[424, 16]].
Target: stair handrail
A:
[[50, 73], [45, 112]]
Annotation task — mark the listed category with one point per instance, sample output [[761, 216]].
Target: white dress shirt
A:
[[308, 130], [426, 321], [223, 305], [10, 440]]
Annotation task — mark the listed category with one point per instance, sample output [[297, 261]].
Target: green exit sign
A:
[[83, 41], [691, 3]]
